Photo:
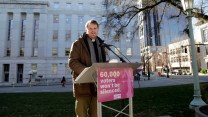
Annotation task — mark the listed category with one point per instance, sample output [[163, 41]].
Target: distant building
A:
[[36, 37], [180, 55], [201, 34], [156, 30]]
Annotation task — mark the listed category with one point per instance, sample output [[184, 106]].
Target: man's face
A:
[[92, 30]]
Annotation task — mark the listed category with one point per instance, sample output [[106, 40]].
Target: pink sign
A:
[[114, 84]]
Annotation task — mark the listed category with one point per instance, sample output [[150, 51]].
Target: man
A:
[[84, 52]]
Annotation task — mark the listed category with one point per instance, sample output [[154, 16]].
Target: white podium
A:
[[89, 75]]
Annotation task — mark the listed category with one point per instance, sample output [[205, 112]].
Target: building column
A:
[[3, 41], [61, 36], [15, 40], [3, 33], [27, 69], [43, 38], [74, 32], [43, 43], [13, 73], [29, 35]]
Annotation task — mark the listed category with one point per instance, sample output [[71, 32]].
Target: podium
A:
[[109, 79]]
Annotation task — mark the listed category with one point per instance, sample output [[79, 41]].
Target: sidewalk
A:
[[57, 87], [6, 84]]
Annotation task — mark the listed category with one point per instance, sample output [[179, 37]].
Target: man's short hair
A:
[[91, 22]]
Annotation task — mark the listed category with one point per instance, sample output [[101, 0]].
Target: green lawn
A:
[[148, 102]]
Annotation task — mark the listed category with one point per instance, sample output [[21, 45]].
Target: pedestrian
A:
[[138, 75], [159, 74], [148, 75], [63, 81], [84, 52], [167, 71]]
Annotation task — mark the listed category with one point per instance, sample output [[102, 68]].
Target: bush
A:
[[203, 71], [204, 90]]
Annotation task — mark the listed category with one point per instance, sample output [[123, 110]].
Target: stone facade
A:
[[33, 37]]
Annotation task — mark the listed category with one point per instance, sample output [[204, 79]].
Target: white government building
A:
[[36, 37]]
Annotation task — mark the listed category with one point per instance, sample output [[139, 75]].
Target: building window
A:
[[54, 52], [104, 20], [55, 35], [68, 5], [206, 48], [34, 66], [186, 58], [56, 5], [171, 52], [67, 69], [10, 25], [36, 29], [117, 51], [141, 31], [36, 26], [93, 17], [104, 6], [68, 35], [129, 51], [174, 52], [21, 52], [80, 5], [80, 33], [23, 26], [8, 52], [92, 6], [80, 21], [23, 30], [10, 29], [207, 65], [6, 72], [54, 68], [205, 35], [55, 18], [68, 19], [35, 52], [117, 2], [171, 60], [67, 51]]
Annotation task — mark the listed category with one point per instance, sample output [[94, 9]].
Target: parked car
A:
[[173, 73], [179, 73], [184, 73], [188, 73], [176, 72]]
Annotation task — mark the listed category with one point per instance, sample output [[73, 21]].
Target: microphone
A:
[[105, 45]]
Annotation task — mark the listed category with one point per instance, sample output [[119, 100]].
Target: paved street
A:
[[173, 80], [153, 82]]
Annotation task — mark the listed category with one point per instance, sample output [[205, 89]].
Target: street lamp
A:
[[197, 101]]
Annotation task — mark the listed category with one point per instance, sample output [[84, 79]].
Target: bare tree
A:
[[150, 60], [146, 64], [121, 13]]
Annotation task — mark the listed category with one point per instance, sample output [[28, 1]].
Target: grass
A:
[[147, 102]]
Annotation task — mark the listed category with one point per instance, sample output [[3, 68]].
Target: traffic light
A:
[[198, 49], [185, 50]]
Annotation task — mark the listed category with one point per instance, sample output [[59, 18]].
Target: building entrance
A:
[[20, 73], [6, 73]]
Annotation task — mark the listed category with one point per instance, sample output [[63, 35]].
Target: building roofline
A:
[[25, 2]]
